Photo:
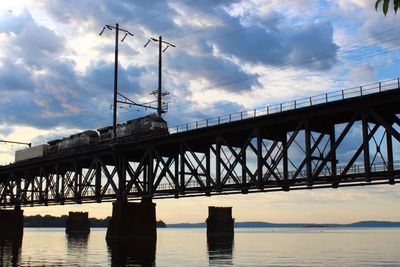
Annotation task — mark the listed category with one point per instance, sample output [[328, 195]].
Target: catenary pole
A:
[[159, 95]]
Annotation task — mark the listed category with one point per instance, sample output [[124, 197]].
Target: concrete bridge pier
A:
[[11, 223], [77, 223], [220, 221], [132, 220]]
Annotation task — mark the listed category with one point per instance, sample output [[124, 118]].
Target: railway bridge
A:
[[344, 138]]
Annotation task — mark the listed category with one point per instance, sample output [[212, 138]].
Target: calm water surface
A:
[[189, 247]]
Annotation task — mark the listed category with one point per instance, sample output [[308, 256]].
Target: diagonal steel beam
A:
[[358, 151], [194, 173], [384, 123], [337, 143], [288, 144], [165, 170], [199, 163], [134, 175], [312, 150], [109, 176], [263, 161], [238, 158]]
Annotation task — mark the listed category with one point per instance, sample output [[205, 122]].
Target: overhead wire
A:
[[365, 68], [256, 8], [326, 54], [376, 53], [187, 2], [171, 9], [353, 45], [138, 22]]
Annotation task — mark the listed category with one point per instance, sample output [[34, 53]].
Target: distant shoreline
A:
[[48, 221], [366, 224]]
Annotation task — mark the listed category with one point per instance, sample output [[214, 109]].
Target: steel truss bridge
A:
[[344, 138]]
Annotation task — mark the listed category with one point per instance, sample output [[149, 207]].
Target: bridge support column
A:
[[11, 224], [77, 223], [136, 221], [219, 221]]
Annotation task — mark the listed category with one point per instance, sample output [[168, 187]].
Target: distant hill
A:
[[291, 225], [369, 224]]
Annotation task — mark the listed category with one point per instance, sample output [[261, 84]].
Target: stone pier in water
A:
[[220, 221], [77, 223], [133, 220], [11, 224]]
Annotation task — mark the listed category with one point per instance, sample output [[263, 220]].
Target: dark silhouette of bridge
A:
[[290, 146]]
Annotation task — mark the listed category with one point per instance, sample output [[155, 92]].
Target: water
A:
[[189, 247]]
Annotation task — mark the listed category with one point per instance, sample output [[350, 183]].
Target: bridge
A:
[[301, 144]]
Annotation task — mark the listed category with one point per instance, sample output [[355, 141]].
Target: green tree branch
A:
[[385, 5]]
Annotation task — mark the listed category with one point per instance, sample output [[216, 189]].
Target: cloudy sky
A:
[[56, 78]]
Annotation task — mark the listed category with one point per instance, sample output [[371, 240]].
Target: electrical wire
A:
[[217, 85]]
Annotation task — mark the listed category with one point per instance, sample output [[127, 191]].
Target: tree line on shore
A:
[[55, 221]]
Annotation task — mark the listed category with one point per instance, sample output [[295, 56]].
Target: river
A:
[[189, 247]]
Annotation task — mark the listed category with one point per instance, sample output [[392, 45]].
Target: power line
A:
[[223, 35], [159, 14], [294, 62], [323, 55], [2, 84], [138, 22], [344, 51], [171, 9], [257, 8], [189, 1]]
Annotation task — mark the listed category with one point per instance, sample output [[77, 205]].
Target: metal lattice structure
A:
[[351, 140]]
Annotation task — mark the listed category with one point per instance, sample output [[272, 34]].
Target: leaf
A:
[[385, 6], [396, 5], [377, 4]]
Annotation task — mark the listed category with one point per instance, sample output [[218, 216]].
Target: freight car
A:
[[147, 126], [85, 138], [31, 152]]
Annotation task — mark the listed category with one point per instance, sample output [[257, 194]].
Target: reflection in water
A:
[[77, 248], [132, 252], [220, 249], [78, 241], [10, 252]]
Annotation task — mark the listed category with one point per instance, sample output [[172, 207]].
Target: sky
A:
[[56, 79]]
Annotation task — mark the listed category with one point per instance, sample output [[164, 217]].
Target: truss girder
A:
[[260, 160]]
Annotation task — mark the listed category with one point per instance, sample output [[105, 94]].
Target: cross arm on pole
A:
[[131, 102], [15, 142]]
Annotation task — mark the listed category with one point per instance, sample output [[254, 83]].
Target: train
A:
[[148, 126]]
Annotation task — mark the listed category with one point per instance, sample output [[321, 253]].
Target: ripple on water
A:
[[190, 247]]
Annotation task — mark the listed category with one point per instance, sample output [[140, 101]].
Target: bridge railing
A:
[[291, 105]]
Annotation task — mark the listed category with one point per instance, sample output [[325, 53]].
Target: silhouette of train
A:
[[136, 129]]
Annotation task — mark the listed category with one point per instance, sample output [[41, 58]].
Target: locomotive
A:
[[136, 129], [148, 125]]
